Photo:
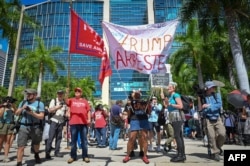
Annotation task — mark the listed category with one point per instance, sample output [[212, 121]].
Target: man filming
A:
[[213, 123], [31, 112]]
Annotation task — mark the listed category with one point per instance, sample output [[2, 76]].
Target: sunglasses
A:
[[78, 91]]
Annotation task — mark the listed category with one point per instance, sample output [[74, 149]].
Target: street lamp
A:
[[14, 66]]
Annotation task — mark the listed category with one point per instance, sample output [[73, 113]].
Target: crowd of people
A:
[[138, 122]]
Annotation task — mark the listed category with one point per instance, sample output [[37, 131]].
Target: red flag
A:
[[84, 40], [105, 70]]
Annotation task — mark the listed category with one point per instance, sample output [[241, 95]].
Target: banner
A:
[[85, 40], [143, 48]]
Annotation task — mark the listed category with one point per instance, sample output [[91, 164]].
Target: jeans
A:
[[55, 131], [101, 136], [83, 130], [114, 136]]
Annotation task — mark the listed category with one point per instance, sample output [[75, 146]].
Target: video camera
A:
[[201, 92], [8, 101]]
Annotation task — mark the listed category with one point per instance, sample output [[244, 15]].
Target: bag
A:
[[117, 121], [187, 103], [161, 118], [46, 131]]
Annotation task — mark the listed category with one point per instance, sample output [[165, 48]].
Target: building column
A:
[[105, 86]]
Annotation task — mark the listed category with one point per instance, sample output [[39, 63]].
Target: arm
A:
[[52, 107], [1, 111], [178, 104]]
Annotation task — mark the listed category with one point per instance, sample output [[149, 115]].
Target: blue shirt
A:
[[172, 100], [8, 116], [153, 117], [215, 104], [28, 119]]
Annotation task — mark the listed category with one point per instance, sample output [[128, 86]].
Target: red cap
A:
[[78, 89]]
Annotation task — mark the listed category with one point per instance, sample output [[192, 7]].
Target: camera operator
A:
[[7, 112], [32, 114], [57, 108], [153, 124], [213, 123]]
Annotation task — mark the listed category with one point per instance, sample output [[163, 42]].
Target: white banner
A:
[[143, 48]]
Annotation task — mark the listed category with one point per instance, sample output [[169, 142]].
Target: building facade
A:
[[54, 18]]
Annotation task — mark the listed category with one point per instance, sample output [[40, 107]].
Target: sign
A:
[[159, 80], [143, 48]]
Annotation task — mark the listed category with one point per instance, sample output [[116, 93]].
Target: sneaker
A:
[[19, 163], [126, 159], [150, 148], [158, 149], [37, 159], [58, 155], [6, 160], [86, 159], [71, 160], [215, 157], [47, 156], [145, 160], [221, 152]]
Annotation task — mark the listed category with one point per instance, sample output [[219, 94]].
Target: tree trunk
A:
[[200, 78], [231, 76], [39, 86], [237, 51]]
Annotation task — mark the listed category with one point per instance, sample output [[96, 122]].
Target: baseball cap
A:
[[31, 91], [78, 89], [60, 91], [210, 84]]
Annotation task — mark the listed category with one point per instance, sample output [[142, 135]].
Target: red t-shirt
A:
[[79, 109], [99, 118]]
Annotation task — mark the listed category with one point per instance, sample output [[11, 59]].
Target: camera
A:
[[16, 126], [201, 92]]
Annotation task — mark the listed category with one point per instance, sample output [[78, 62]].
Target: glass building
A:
[[54, 19]]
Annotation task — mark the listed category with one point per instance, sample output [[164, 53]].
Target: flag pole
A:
[[69, 58], [68, 84]]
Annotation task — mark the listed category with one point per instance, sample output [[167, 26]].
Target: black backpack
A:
[[186, 102]]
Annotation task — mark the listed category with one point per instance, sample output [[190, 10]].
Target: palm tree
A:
[[41, 60], [212, 13], [192, 52], [9, 19]]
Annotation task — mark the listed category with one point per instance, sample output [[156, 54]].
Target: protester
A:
[[79, 120], [176, 118], [229, 122], [99, 117], [167, 128], [139, 125], [213, 123], [57, 108], [32, 114], [115, 128], [7, 111], [153, 124]]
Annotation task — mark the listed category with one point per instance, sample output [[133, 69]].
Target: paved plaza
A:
[[196, 154]]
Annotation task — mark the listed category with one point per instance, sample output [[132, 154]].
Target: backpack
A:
[[186, 102]]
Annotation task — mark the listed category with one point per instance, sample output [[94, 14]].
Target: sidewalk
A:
[[196, 155]]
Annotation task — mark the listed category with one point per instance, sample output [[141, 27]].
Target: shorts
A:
[[155, 125], [29, 132], [5, 129], [136, 125]]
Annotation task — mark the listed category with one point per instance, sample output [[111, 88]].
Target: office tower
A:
[[54, 18]]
